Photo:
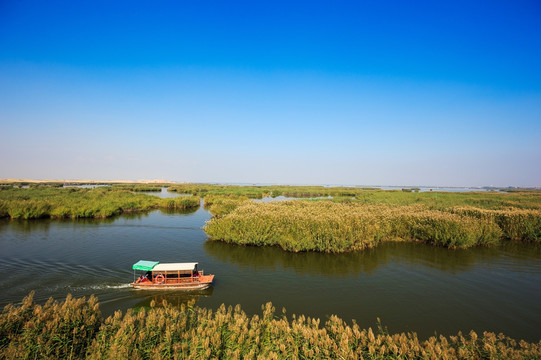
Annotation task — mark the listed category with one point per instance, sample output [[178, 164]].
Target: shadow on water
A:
[[25, 226], [306, 263], [354, 263], [410, 286], [179, 211], [160, 298], [40, 225]]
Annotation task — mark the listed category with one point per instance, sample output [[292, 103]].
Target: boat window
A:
[[173, 275]]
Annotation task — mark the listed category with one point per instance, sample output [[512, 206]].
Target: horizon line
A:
[[163, 181]]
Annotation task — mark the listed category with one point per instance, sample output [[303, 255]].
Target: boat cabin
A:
[[175, 272], [169, 274]]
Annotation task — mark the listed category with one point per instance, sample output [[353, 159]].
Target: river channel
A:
[[410, 287]]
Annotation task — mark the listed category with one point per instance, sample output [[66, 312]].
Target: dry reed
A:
[[74, 329]]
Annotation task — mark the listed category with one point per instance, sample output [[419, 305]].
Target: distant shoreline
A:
[[156, 181], [163, 181]]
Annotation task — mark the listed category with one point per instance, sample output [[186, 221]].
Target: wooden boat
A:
[[170, 276]]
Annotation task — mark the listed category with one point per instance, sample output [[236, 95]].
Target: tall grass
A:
[[257, 192], [220, 205], [329, 226], [75, 203], [516, 224], [527, 199], [181, 202], [252, 192], [74, 329], [445, 200], [56, 330], [138, 187]]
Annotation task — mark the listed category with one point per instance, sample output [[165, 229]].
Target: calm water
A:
[[409, 286], [440, 189]]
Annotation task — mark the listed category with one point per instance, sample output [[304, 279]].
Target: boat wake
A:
[[101, 287]]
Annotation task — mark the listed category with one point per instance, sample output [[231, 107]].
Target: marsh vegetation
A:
[[353, 219], [220, 205], [258, 192], [454, 220], [367, 280], [138, 187], [75, 329], [102, 202]]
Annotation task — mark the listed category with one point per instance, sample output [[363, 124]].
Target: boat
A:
[[170, 276]]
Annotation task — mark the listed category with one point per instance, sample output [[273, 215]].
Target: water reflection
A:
[[24, 226], [43, 225], [175, 299], [354, 263], [412, 287], [163, 193], [179, 211], [256, 258]]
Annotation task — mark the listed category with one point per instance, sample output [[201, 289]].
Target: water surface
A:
[[409, 286]]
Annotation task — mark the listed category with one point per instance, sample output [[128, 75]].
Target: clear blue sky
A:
[[375, 92]]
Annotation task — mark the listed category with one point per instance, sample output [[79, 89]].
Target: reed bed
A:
[[445, 200], [258, 192], [55, 330], [524, 199], [180, 203], [252, 192], [220, 205], [74, 329], [516, 224], [334, 227], [138, 187], [76, 203]]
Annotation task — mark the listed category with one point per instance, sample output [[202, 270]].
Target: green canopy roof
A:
[[144, 265]]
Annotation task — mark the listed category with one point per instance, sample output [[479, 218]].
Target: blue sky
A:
[[389, 93]]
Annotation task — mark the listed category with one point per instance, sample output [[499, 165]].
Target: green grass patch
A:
[[102, 202], [258, 192], [334, 227], [138, 187], [220, 205]]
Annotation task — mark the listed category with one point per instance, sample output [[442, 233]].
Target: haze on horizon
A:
[[387, 93]]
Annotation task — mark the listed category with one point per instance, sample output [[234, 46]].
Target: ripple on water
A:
[[411, 287]]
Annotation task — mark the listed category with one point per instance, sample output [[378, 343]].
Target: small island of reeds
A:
[[453, 220], [75, 329], [335, 219], [101, 202]]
